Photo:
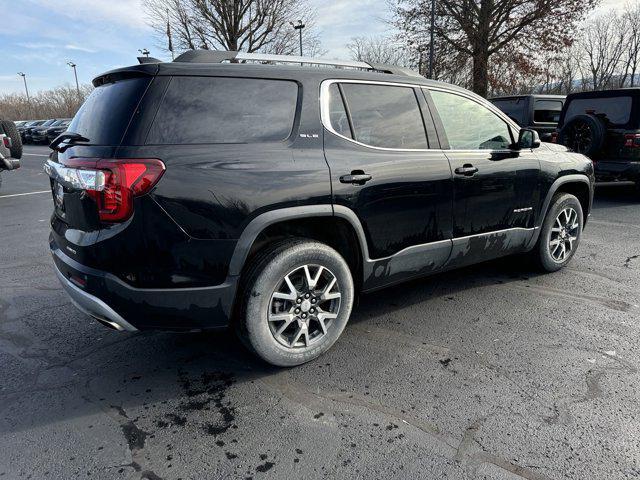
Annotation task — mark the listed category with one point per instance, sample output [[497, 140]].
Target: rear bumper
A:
[[617, 170], [113, 302], [93, 306]]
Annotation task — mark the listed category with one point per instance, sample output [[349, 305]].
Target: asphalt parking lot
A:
[[490, 372]]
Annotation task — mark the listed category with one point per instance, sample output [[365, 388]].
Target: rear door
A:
[[383, 169], [495, 188]]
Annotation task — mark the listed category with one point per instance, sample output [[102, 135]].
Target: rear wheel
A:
[[296, 301], [561, 233], [11, 131]]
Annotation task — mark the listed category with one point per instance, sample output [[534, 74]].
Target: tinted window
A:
[[337, 113], [617, 110], [515, 108], [385, 116], [225, 110], [547, 111], [469, 125], [105, 115]]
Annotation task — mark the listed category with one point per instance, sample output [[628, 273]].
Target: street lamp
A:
[[433, 26], [75, 73], [298, 26], [144, 52], [24, 77]]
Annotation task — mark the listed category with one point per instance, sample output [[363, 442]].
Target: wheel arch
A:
[[578, 185], [336, 226]]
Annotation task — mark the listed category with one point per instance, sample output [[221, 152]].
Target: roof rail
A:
[[219, 56]]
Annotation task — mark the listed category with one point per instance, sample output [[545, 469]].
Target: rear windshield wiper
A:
[[66, 140]]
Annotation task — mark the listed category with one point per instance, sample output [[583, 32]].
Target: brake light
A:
[[554, 137], [632, 140], [114, 183], [6, 141]]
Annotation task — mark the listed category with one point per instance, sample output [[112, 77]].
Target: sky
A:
[[39, 37]]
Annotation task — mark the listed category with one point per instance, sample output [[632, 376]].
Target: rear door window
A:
[[385, 116], [208, 110], [105, 115], [615, 110], [547, 111]]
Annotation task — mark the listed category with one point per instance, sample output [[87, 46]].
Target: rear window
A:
[[515, 108], [547, 111], [205, 110], [104, 116], [616, 110]]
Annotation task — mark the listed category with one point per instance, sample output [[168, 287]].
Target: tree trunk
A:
[[481, 72]]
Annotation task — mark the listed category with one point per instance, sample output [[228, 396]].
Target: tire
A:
[[264, 313], [584, 134], [11, 131], [547, 253]]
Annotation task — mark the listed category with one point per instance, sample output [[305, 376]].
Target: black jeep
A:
[[605, 126], [537, 112], [215, 191]]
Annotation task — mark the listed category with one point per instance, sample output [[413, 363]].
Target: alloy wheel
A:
[[564, 234], [303, 306]]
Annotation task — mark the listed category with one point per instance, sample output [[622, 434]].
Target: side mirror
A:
[[528, 139]]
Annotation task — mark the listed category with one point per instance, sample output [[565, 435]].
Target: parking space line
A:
[[35, 154], [22, 194]]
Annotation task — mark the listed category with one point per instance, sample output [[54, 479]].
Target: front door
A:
[[496, 187], [382, 169]]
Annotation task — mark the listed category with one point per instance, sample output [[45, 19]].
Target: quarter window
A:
[[547, 111], [204, 110], [470, 125], [385, 116]]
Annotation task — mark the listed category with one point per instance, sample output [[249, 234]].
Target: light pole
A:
[[433, 26], [299, 26], [145, 52], [24, 77], [75, 73]]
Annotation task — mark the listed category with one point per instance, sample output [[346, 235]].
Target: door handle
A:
[[467, 170], [355, 178]]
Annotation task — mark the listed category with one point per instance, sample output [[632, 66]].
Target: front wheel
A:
[[561, 233], [296, 300]]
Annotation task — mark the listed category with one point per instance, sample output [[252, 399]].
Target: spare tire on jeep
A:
[[11, 131], [583, 134]]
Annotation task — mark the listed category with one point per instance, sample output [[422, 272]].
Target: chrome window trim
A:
[[326, 120]]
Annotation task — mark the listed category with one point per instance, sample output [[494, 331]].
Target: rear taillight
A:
[[632, 140], [554, 137], [6, 141], [114, 183]]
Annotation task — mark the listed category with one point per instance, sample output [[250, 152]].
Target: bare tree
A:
[[235, 25], [602, 45], [480, 29], [381, 50], [631, 50], [60, 102]]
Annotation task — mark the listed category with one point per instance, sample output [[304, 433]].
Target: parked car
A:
[[605, 126], [56, 129], [196, 194], [38, 134], [22, 127], [537, 112], [28, 129], [9, 145]]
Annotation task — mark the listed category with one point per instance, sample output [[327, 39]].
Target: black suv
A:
[[605, 126], [537, 112], [200, 194]]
